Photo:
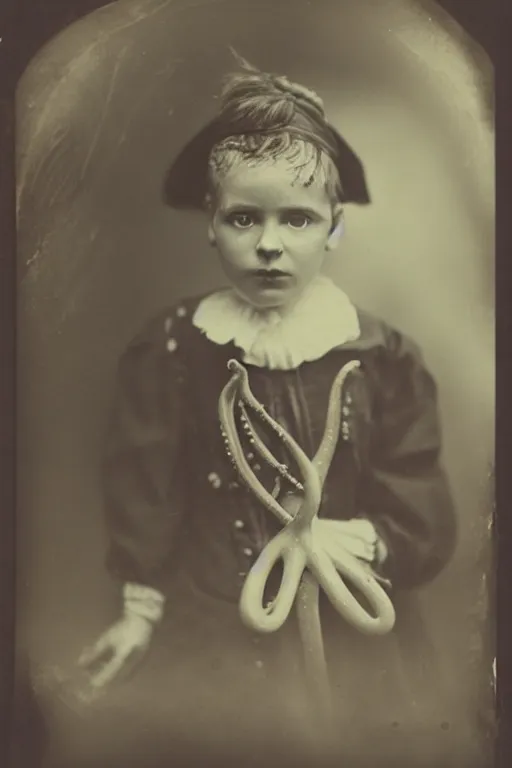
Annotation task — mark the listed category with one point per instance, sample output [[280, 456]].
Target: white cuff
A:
[[143, 601]]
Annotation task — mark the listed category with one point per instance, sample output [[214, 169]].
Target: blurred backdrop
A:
[[101, 111]]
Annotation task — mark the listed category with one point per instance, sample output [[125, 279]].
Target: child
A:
[[273, 177]]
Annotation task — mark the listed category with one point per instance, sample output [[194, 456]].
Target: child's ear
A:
[[208, 205], [336, 228], [211, 234]]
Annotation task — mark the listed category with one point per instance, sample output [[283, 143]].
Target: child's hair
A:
[[274, 109], [261, 117]]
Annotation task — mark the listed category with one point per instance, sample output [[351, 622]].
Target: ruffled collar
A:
[[322, 319]]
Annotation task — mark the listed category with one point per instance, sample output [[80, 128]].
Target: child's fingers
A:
[[358, 548], [110, 670], [360, 529], [131, 664], [94, 654], [360, 541]]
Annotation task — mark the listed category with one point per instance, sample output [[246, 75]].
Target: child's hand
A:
[[355, 536], [118, 649]]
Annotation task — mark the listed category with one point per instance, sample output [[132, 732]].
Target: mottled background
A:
[[101, 111]]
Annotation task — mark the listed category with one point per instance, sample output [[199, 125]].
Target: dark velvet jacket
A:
[[176, 511], [170, 486]]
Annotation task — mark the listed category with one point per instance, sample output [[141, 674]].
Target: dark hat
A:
[[262, 104]]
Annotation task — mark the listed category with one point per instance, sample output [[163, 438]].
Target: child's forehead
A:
[[277, 181]]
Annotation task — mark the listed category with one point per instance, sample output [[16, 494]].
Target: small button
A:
[[250, 456], [346, 410], [172, 345], [168, 324], [239, 524], [181, 311], [214, 479], [248, 551], [257, 468]]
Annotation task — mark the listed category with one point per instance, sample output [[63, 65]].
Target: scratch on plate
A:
[[103, 115], [136, 15], [33, 258], [36, 169]]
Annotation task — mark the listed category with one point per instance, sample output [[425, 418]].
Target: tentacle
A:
[[324, 567], [264, 452], [253, 612], [309, 475], [324, 455], [295, 544], [310, 630], [227, 419]]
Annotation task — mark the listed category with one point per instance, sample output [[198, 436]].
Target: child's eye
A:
[[298, 220], [242, 220]]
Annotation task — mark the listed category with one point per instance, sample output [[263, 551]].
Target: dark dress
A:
[[180, 521]]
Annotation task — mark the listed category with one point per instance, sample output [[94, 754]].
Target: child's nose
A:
[[269, 254], [269, 247]]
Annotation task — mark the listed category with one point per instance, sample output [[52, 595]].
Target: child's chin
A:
[[271, 300], [268, 298]]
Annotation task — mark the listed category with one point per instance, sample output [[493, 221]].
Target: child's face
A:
[[265, 219]]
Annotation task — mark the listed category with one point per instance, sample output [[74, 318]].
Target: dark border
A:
[[503, 517], [25, 26]]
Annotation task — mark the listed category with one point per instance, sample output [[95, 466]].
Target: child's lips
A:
[[271, 275]]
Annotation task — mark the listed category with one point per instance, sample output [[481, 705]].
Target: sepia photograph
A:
[[255, 392]]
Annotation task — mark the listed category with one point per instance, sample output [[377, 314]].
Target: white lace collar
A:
[[322, 319]]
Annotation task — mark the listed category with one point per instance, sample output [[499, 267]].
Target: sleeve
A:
[[406, 492], [143, 484]]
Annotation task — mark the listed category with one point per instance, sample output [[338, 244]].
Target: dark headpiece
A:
[[259, 104]]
